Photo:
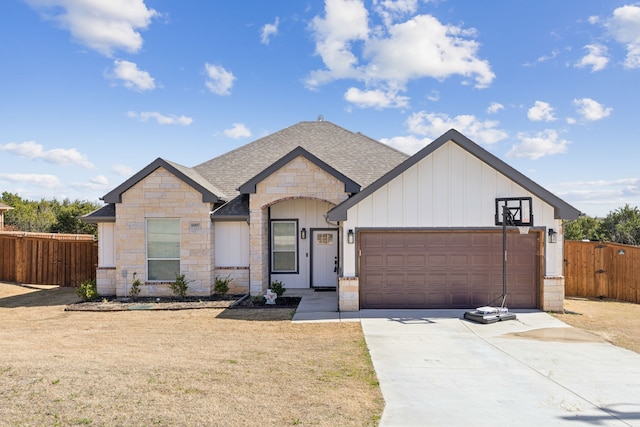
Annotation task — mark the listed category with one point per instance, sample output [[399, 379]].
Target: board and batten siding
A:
[[310, 214], [107, 244], [232, 244], [450, 188]]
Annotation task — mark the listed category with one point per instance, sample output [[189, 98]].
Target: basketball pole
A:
[[504, 255]]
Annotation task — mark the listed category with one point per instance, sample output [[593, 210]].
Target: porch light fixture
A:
[[553, 236], [303, 233], [350, 237], [621, 252]]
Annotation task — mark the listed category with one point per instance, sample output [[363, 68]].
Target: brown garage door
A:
[[462, 269]]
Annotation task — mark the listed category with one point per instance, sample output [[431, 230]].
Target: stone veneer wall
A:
[[240, 279], [162, 195], [106, 280], [348, 294], [299, 178], [553, 294]]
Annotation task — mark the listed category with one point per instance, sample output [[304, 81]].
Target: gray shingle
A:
[[358, 157]]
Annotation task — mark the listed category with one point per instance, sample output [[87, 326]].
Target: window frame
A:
[[272, 250], [148, 258]]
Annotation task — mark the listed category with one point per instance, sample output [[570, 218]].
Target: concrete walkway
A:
[[319, 307]]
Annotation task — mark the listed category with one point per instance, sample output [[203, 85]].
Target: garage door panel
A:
[[461, 269], [373, 261], [418, 261]]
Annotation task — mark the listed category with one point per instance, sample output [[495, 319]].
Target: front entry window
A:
[[163, 249], [284, 246]]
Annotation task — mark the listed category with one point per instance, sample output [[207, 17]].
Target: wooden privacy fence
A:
[[599, 269], [47, 258]]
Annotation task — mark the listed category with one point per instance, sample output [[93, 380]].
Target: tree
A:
[[47, 216], [622, 226], [584, 228]]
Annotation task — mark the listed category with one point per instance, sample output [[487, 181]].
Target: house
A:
[[317, 206]]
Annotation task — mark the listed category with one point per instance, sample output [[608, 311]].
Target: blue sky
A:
[[92, 91]]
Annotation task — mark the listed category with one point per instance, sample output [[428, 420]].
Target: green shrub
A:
[[87, 290], [134, 291], [221, 286], [278, 287], [180, 286]]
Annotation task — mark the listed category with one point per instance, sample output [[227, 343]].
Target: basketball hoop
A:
[[523, 229]]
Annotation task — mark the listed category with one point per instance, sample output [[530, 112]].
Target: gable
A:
[[210, 194], [350, 186], [457, 166]]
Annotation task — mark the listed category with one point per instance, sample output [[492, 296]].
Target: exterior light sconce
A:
[[553, 236], [303, 233], [350, 237], [621, 252]]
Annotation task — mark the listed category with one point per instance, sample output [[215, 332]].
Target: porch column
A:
[[258, 250]]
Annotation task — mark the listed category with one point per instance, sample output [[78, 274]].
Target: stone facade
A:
[[553, 294], [300, 178], [348, 294], [239, 278], [162, 195]]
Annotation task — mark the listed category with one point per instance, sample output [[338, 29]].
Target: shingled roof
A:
[[356, 156]]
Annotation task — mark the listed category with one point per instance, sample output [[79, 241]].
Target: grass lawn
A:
[[614, 321], [211, 367]]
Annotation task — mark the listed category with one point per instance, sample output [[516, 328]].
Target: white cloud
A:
[[40, 180], [433, 125], [59, 156], [597, 58], [407, 144], [624, 25], [392, 10], [600, 195], [345, 22], [387, 57], [269, 30], [434, 96], [541, 111], [161, 119], [237, 130], [591, 110], [219, 80], [104, 26], [132, 77], [494, 107], [375, 98], [545, 143], [122, 170], [99, 182]]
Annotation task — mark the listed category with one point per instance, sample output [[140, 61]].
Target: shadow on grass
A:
[[258, 314], [39, 297]]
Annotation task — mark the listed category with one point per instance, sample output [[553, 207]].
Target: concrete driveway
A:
[[436, 369]]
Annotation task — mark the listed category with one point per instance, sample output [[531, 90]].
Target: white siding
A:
[[106, 244], [450, 188], [310, 214], [231, 244]]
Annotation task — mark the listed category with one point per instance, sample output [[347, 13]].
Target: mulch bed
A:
[[189, 303]]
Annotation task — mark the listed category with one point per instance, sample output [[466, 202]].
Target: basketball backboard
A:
[[519, 211]]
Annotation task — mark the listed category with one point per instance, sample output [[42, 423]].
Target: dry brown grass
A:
[[614, 321], [195, 367]]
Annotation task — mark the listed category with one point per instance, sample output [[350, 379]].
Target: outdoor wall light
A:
[[553, 236], [350, 237], [303, 233], [621, 252]]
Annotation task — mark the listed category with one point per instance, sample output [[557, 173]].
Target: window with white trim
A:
[[163, 249], [284, 246]]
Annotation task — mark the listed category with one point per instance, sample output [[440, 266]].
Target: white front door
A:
[[324, 258]]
